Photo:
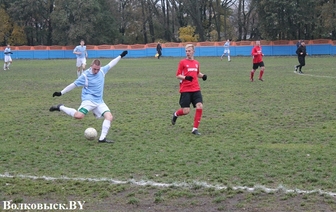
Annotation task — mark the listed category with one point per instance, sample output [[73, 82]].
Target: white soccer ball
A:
[[90, 133]]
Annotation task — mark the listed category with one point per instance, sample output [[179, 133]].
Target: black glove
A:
[[123, 54], [57, 94], [189, 78], [204, 77]]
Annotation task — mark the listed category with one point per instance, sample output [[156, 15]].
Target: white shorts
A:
[[97, 109], [226, 51], [7, 58], [81, 62]]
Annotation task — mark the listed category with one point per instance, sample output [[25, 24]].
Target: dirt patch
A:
[[183, 200]]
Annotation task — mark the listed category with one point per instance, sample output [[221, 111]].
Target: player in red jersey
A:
[[257, 61], [188, 73]]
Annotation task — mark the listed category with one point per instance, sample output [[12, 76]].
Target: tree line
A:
[[64, 22]]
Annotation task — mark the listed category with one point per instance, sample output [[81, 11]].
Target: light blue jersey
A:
[[7, 51], [227, 45], [93, 84], [82, 50]]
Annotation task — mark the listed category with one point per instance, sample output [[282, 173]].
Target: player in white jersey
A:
[[81, 54], [226, 50], [92, 81], [7, 58]]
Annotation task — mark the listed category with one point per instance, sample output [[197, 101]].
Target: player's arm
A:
[[65, 90], [114, 62], [203, 76], [75, 51]]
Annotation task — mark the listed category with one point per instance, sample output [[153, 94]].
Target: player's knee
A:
[[199, 105], [186, 111], [108, 116], [79, 115]]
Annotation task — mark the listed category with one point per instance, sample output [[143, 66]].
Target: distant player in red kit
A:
[[257, 61], [188, 73]]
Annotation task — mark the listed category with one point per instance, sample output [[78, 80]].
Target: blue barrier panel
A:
[[283, 50], [173, 52], [243, 50], [41, 54], [68, 54], [56, 54], [207, 51], [319, 49], [135, 53], [333, 50], [150, 52], [24, 54], [200, 51]]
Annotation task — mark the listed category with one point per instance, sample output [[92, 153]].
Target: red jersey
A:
[[189, 68], [257, 54]]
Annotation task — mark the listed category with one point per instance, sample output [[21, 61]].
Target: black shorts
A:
[[302, 61], [188, 98], [256, 65]]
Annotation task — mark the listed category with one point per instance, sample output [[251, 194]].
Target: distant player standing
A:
[[81, 54], [226, 50], [7, 58], [188, 73], [257, 61]]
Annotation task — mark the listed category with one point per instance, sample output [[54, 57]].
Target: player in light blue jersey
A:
[[226, 50], [81, 54], [7, 58], [92, 81]]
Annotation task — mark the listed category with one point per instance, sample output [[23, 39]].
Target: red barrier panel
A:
[[120, 46], [137, 46], [55, 47], [69, 47], [151, 45], [171, 44], [39, 47], [105, 47], [23, 48]]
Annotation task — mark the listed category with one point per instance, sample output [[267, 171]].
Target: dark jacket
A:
[[301, 49], [158, 48]]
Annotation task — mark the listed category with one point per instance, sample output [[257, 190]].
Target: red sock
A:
[[198, 116], [252, 74], [261, 74], [179, 112]]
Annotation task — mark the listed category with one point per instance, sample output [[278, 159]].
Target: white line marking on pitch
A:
[[311, 75], [184, 184]]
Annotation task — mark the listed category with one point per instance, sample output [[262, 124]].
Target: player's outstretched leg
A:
[[55, 108]]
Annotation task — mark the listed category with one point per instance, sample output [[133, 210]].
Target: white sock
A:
[[194, 129], [68, 110], [8, 65], [105, 129], [229, 58], [5, 67]]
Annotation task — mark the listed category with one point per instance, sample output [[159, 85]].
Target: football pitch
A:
[[265, 146]]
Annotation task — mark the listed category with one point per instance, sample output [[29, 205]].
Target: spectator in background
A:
[[81, 54], [159, 50], [301, 53]]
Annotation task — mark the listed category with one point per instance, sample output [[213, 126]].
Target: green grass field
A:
[[280, 132]]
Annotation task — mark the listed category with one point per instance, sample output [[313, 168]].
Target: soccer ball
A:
[[90, 133]]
